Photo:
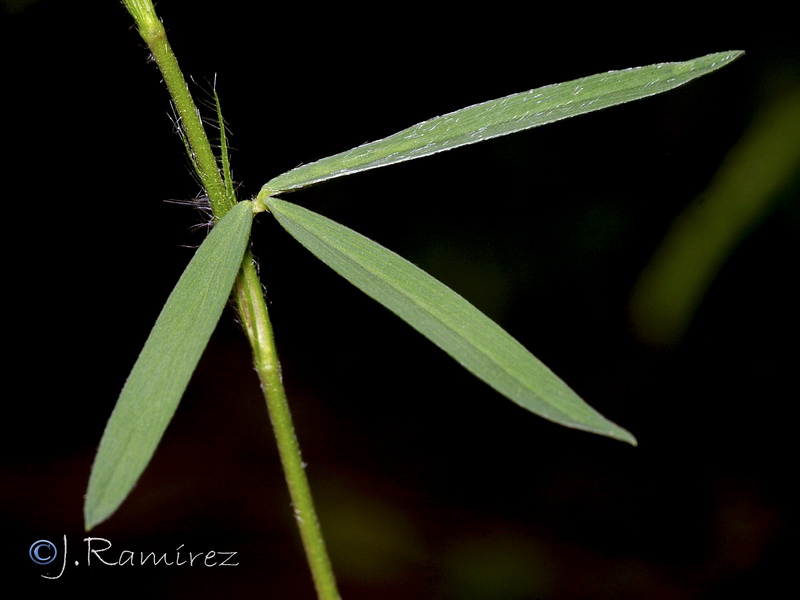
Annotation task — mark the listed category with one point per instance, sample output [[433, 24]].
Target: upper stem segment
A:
[[205, 163]]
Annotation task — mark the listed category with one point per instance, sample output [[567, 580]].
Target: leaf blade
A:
[[502, 116], [445, 318], [157, 381]]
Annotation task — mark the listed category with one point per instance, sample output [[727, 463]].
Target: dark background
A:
[[429, 485]]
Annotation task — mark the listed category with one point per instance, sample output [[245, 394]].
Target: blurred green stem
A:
[[762, 163], [249, 299]]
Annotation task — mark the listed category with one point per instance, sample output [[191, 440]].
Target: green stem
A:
[[250, 302], [205, 163], [255, 319]]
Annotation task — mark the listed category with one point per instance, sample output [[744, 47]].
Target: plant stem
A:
[[205, 163], [255, 318], [249, 299]]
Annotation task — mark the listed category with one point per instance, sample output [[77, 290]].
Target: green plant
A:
[[223, 266]]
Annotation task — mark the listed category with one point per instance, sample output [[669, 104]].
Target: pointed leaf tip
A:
[[503, 116], [166, 363], [445, 318]]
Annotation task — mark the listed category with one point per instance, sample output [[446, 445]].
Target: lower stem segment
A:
[[255, 319]]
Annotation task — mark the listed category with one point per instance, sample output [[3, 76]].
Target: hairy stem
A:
[[249, 299], [203, 159], [255, 319]]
